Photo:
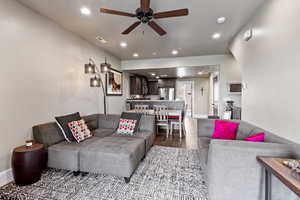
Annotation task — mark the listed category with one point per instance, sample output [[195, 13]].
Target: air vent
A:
[[101, 39]]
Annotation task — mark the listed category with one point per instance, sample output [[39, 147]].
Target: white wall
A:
[[229, 69], [200, 102], [269, 63], [41, 75]]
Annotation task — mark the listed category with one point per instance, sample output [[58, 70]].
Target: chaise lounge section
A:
[[106, 152]]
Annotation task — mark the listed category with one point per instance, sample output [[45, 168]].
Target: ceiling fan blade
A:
[[145, 5], [116, 12], [157, 28], [131, 28], [172, 13]]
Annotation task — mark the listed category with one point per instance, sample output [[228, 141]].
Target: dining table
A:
[[177, 114]]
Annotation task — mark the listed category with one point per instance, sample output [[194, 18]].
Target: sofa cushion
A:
[[91, 121], [80, 130], [225, 130], [148, 137], [63, 121], [260, 137], [127, 126], [245, 129], [103, 132], [117, 156], [64, 155], [132, 116]]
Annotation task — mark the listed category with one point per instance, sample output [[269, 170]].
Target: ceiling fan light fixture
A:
[[145, 15]]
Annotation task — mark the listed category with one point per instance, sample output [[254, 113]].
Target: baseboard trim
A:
[[6, 177]]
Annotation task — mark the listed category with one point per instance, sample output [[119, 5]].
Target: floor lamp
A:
[[96, 81]]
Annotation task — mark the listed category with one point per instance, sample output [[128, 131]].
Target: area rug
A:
[[165, 174]]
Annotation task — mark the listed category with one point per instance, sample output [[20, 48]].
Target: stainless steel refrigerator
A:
[[167, 94]]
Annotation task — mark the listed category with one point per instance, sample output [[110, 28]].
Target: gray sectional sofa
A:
[[106, 152], [233, 173]]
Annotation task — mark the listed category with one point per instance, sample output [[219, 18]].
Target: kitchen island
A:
[[173, 105]]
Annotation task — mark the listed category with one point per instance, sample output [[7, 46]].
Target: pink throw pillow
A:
[[260, 137], [225, 130]]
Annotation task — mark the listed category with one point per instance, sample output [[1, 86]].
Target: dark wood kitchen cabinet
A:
[[153, 88], [138, 85], [167, 83]]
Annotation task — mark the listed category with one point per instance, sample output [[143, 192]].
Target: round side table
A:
[[28, 164]]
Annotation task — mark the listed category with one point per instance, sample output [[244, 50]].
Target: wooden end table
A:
[[283, 173], [28, 164]]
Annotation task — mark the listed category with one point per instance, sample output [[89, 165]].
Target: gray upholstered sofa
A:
[[106, 152], [232, 170]]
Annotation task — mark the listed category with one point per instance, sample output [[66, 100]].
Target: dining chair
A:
[[162, 117], [144, 109], [176, 122]]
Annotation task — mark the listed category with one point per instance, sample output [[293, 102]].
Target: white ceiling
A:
[[191, 35]]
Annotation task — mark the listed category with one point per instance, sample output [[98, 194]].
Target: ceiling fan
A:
[[145, 15]]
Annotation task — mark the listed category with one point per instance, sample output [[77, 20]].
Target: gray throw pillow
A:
[[133, 116], [62, 123]]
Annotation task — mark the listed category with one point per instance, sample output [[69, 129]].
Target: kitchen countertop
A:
[[131, 100]]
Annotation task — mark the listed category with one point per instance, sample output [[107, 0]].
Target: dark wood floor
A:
[[189, 141]]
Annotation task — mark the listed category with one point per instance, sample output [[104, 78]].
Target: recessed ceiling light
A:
[[85, 11], [153, 74], [157, 77], [123, 44], [135, 55], [200, 73], [216, 36], [101, 39], [174, 52], [221, 20]]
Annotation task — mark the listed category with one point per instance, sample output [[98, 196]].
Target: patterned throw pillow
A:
[[79, 130], [126, 126]]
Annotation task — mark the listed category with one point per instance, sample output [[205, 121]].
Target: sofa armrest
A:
[[235, 174]]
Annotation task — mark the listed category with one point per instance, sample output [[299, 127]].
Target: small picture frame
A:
[[114, 83]]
